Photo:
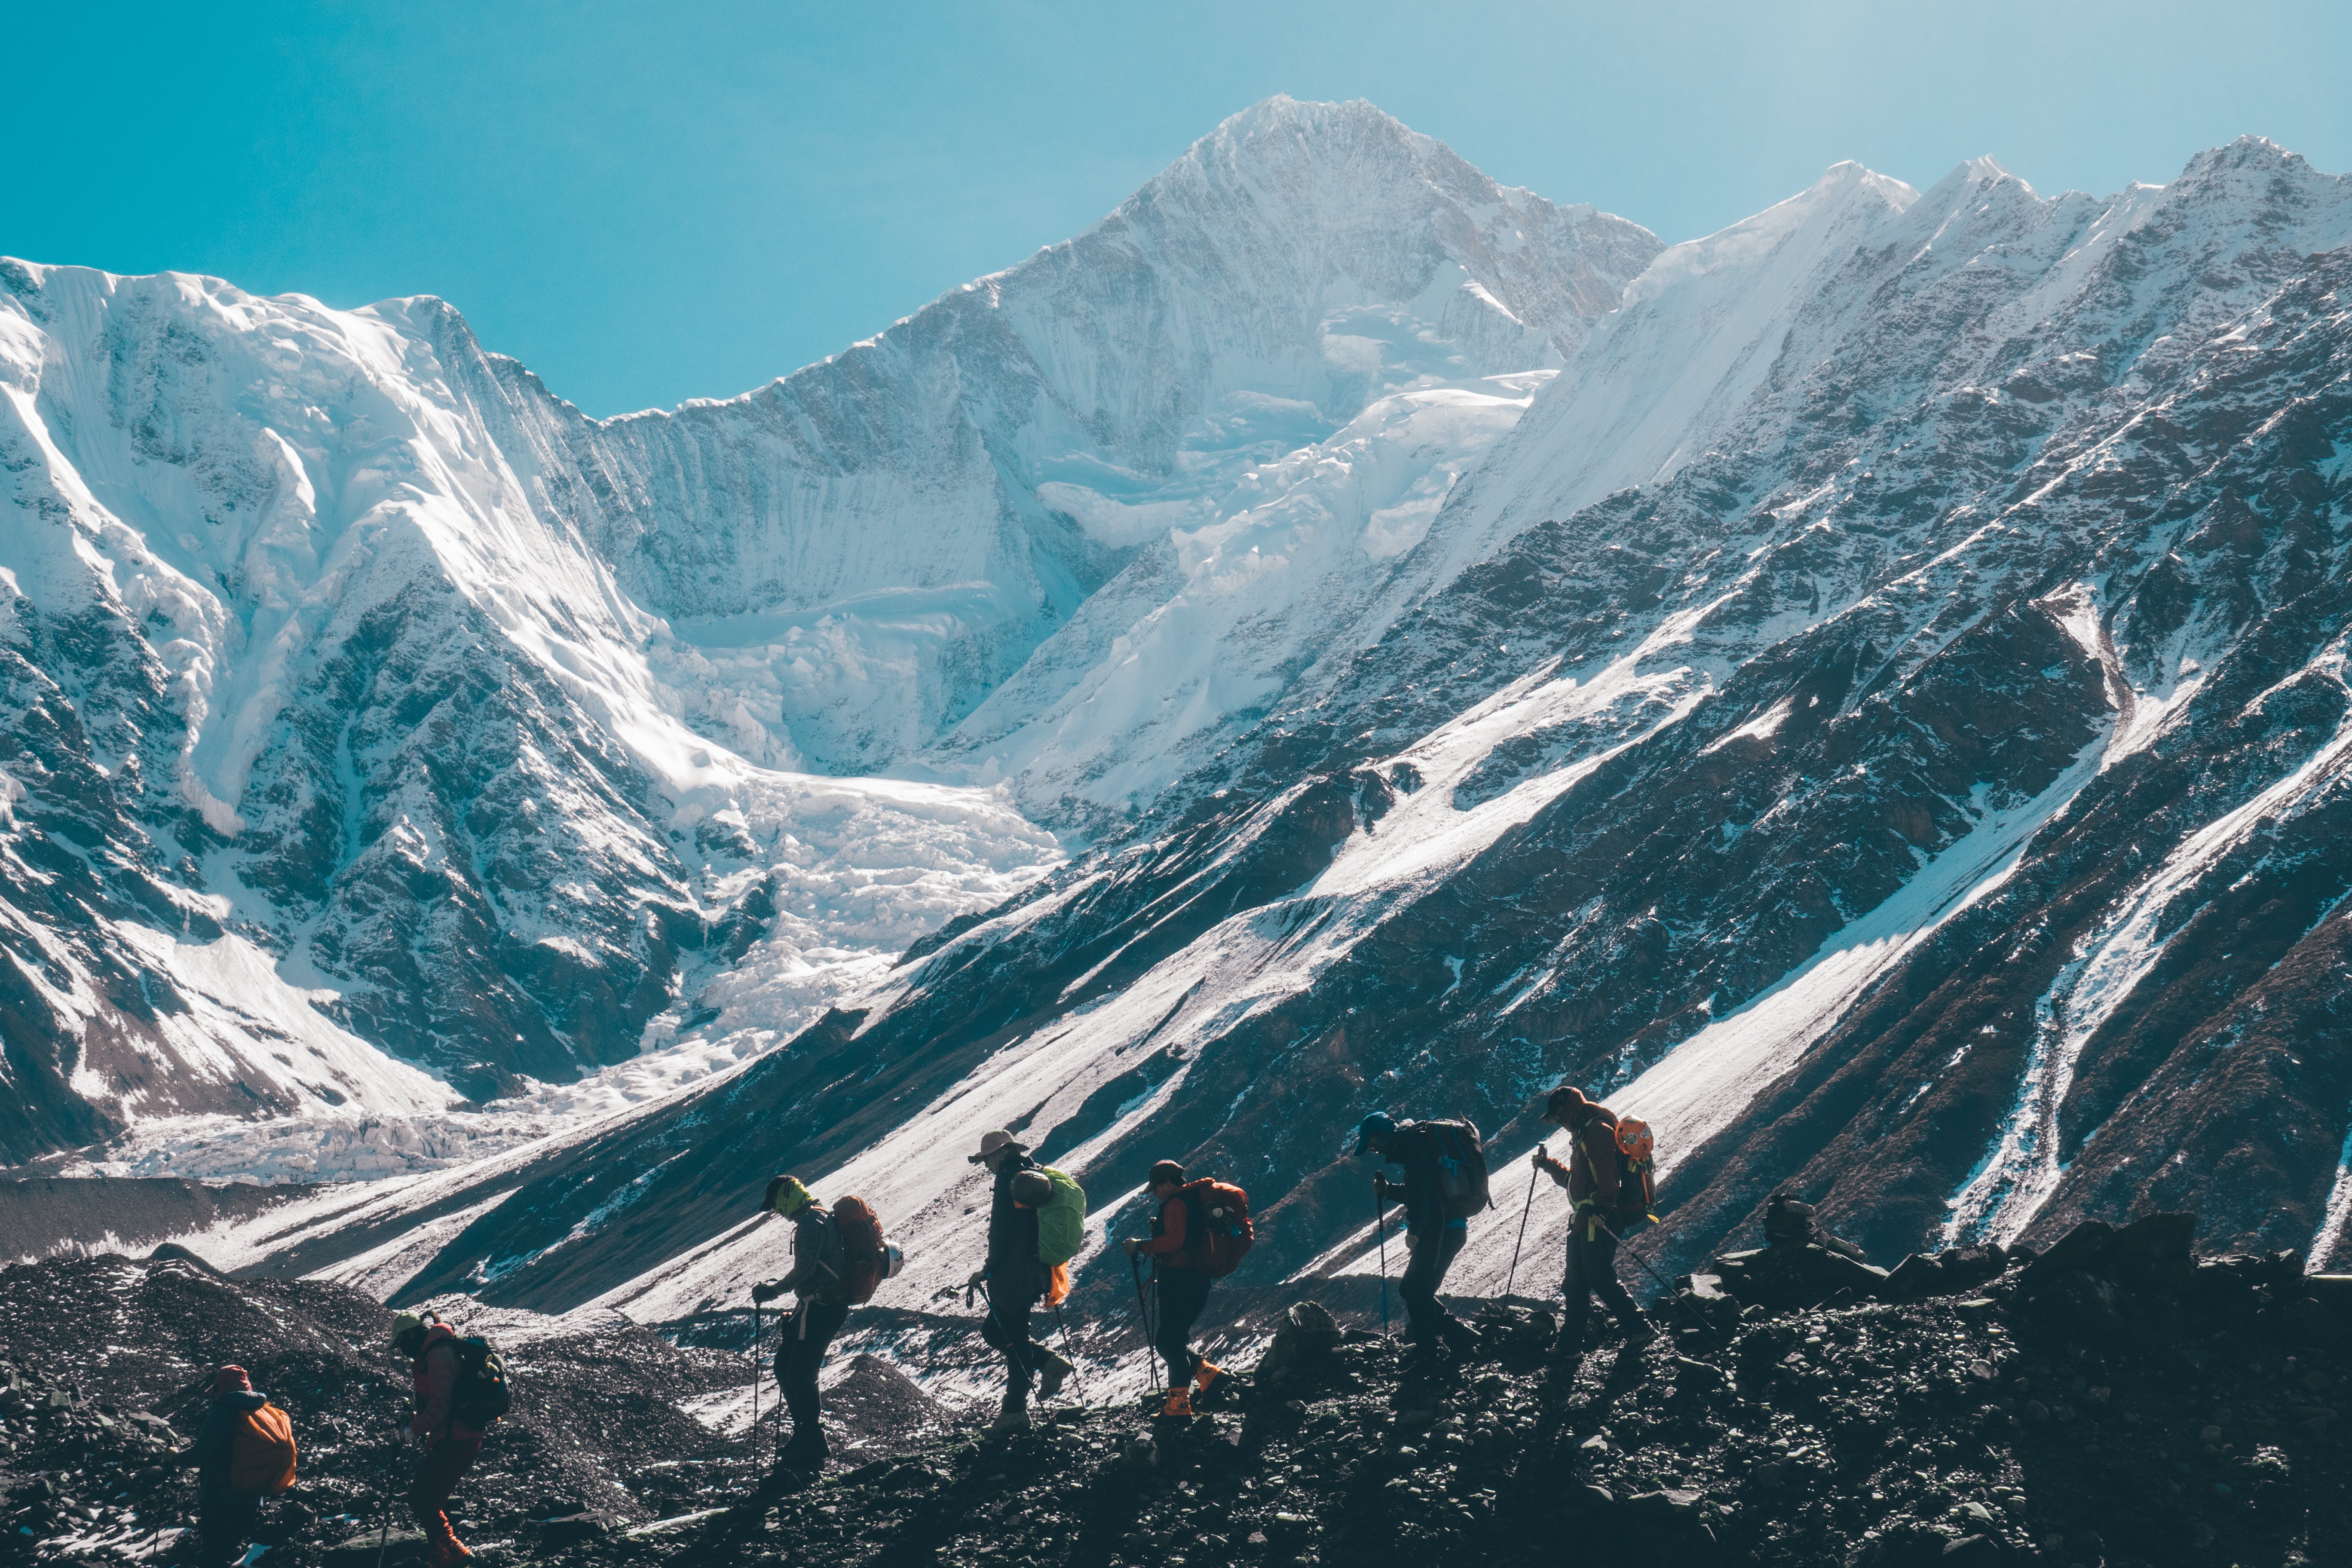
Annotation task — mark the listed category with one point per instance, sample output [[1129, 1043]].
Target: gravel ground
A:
[[2109, 1404]]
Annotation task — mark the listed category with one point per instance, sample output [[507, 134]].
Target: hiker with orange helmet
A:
[[1595, 1177], [228, 1503], [820, 1278]]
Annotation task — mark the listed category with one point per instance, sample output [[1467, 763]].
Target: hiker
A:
[[1433, 1234], [1012, 1280], [449, 1423], [1593, 1176], [225, 1512], [819, 1277], [1181, 1285]]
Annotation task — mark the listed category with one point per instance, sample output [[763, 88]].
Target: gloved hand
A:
[[1133, 1244], [1385, 1189], [979, 1277], [1538, 1158], [765, 1291]]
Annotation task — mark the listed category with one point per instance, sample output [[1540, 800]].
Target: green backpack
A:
[[1062, 1223]]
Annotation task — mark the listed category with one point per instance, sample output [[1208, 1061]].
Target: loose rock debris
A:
[[2110, 1403]]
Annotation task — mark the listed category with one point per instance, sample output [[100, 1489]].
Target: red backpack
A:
[[865, 1262], [1217, 1233]]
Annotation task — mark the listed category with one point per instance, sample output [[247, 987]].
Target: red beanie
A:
[[232, 1380]]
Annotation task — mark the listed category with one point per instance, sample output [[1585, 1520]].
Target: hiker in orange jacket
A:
[[225, 1515], [1183, 1289], [1592, 1177]]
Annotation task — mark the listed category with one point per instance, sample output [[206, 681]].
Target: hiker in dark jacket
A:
[[819, 1278], [1433, 1238], [450, 1445], [224, 1516], [1013, 1279], [1182, 1287], [1592, 1180]]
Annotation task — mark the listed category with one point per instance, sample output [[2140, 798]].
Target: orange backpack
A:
[[261, 1452]]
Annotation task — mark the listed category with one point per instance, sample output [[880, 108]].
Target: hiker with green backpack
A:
[[1036, 1218], [244, 1452], [839, 1258], [461, 1388], [1444, 1165], [1201, 1233]]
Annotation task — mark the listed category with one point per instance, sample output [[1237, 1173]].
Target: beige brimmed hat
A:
[[990, 1142]]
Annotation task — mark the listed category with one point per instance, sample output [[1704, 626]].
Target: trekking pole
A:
[[1523, 1212], [1072, 1348], [753, 1435], [1704, 1326], [383, 1532], [1142, 1317], [1380, 1229]]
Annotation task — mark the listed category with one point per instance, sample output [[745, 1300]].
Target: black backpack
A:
[[1461, 1167], [481, 1395]]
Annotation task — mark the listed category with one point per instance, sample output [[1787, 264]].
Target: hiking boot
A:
[[1051, 1371], [1180, 1403], [1204, 1373], [1639, 1334], [448, 1550], [1459, 1337], [1013, 1415]]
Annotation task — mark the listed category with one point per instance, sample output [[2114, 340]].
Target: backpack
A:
[[1635, 1188], [1062, 1223], [866, 1253], [480, 1395], [261, 1452], [1217, 1233], [1461, 1168]]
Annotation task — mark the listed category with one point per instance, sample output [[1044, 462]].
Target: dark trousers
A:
[[1428, 1255], [800, 1358], [1182, 1292], [224, 1519], [1591, 1271], [436, 1477], [1006, 1327]]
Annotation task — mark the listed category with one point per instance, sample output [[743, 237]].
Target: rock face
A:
[[1878, 717]]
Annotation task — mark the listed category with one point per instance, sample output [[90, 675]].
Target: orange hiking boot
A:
[[448, 1550], [1206, 1372], [1180, 1403]]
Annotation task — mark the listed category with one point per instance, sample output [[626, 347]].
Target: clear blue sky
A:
[[651, 202]]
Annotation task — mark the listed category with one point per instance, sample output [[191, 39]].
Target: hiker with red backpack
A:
[[1610, 1187], [461, 1388], [244, 1452], [839, 1257], [1445, 1184], [1201, 1233], [1015, 1277]]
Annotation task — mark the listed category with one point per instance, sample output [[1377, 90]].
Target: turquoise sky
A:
[[648, 203]]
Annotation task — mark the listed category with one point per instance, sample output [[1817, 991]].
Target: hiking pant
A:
[[807, 1334], [1428, 1255], [224, 1519], [1183, 1292], [436, 1477], [1592, 1271], [1006, 1327]]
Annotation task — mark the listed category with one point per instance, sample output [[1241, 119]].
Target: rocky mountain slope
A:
[[370, 710], [2106, 1403], [1880, 718]]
